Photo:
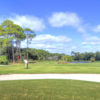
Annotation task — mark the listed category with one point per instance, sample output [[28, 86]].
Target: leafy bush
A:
[[69, 58], [66, 58], [92, 59], [4, 60], [61, 62]]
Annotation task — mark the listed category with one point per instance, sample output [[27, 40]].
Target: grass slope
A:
[[49, 90], [52, 67]]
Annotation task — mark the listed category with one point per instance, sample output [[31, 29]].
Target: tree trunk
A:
[[27, 52], [17, 50], [0, 49], [9, 53], [13, 53], [20, 52]]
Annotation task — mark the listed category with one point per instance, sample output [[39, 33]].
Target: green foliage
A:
[[92, 59], [69, 58], [7, 23], [85, 56], [3, 60], [39, 58], [66, 58], [28, 30], [2, 31]]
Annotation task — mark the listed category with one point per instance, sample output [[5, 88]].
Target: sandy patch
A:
[[84, 77]]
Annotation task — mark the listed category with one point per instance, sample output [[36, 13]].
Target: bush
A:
[[69, 58], [92, 59], [4, 60], [66, 58], [61, 62]]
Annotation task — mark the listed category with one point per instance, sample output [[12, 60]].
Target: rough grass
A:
[[52, 67], [49, 90]]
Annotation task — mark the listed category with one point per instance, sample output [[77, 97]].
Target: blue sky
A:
[[61, 25]]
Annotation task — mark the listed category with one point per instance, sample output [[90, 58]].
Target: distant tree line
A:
[[33, 54], [85, 56], [39, 54]]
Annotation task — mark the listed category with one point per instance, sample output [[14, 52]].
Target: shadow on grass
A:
[[32, 62]]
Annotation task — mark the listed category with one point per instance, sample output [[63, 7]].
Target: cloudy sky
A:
[[61, 26]]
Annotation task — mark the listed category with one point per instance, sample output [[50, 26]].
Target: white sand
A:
[[84, 77], [4, 65]]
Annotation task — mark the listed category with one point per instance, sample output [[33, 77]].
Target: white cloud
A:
[[60, 19], [83, 43], [91, 40], [47, 38], [64, 45], [28, 21], [96, 29], [74, 47], [49, 42], [81, 29], [60, 44]]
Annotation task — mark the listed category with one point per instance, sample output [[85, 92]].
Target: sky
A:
[[61, 26]]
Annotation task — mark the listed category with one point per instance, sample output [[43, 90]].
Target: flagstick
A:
[[18, 65], [18, 61]]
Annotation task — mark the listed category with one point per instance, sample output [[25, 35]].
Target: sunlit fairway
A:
[[49, 90], [52, 67]]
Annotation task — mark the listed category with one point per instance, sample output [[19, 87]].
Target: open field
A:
[[52, 67], [49, 90]]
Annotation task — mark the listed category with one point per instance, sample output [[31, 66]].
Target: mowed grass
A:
[[52, 67], [49, 90]]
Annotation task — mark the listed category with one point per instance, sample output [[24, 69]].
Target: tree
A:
[[15, 32], [9, 30], [1, 39], [4, 40], [64, 58], [92, 59], [72, 53], [19, 36], [97, 55], [29, 35], [69, 58]]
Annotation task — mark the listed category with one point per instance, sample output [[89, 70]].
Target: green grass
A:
[[49, 90], [52, 67]]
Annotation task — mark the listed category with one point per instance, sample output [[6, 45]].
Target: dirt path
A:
[[84, 77]]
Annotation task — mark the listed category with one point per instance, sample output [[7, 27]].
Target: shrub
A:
[[4, 60], [61, 62], [66, 58], [69, 58], [92, 59]]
